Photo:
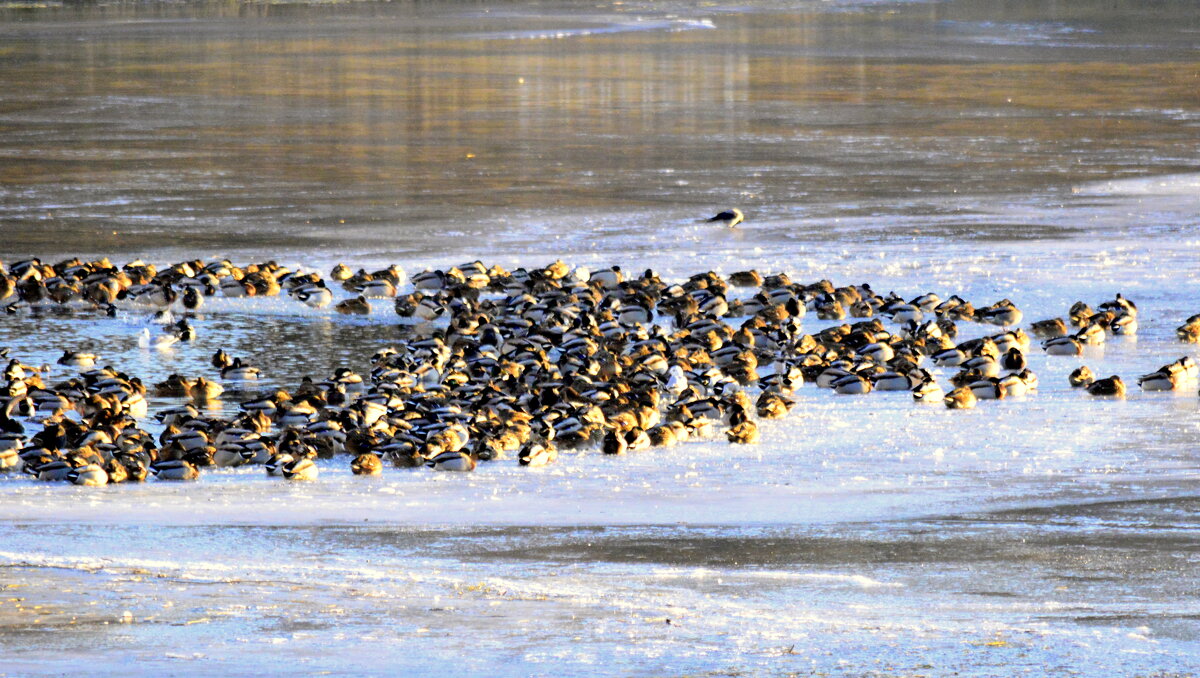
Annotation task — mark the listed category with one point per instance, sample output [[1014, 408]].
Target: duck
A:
[[1017, 384], [902, 381], [228, 456], [202, 390], [116, 471], [429, 308], [1048, 329], [1082, 376], [183, 330], [961, 398], [1189, 332], [990, 388], [1029, 379], [614, 443], [952, 357], [1079, 314], [1171, 376], [1119, 305], [1160, 380], [1065, 345], [297, 413], [163, 316], [664, 435], [926, 302], [1124, 325], [192, 299], [10, 456], [609, 278], [456, 461], [928, 392], [356, 306], [537, 454], [878, 351], [1013, 360], [53, 471], [635, 313], [1003, 313], [852, 384], [750, 278], [906, 313], [743, 431], [173, 416], [366, 464], [78, 359], [177, 469], [274, 465], [402, 454], [1110, 386], [728, 218], [300, 469], [636, 439], [378, 288], [955, 308], [1187, 366], [153, 294], [827, 307], [239, 371], [136, 469], [236, 289], [1091, 334], [772, 405], [313, 295]]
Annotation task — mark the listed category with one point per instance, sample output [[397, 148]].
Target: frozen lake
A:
[[1043, 155]]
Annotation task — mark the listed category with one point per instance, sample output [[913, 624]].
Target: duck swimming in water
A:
[[237, 370], [356, 306], [77, 359]]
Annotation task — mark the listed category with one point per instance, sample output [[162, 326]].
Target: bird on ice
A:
[[730, 217]]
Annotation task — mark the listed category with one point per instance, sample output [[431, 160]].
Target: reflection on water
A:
[[249, 123]]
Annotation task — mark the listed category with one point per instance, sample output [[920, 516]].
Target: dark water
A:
[[241, 125]]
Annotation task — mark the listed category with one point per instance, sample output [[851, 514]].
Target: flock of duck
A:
[[508, 364]]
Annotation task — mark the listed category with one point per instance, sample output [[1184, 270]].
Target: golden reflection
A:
[[380, 111]]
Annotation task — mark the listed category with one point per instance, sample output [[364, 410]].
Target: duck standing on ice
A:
[[730, 217]]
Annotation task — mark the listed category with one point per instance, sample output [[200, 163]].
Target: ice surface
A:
[[1050, 529]]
